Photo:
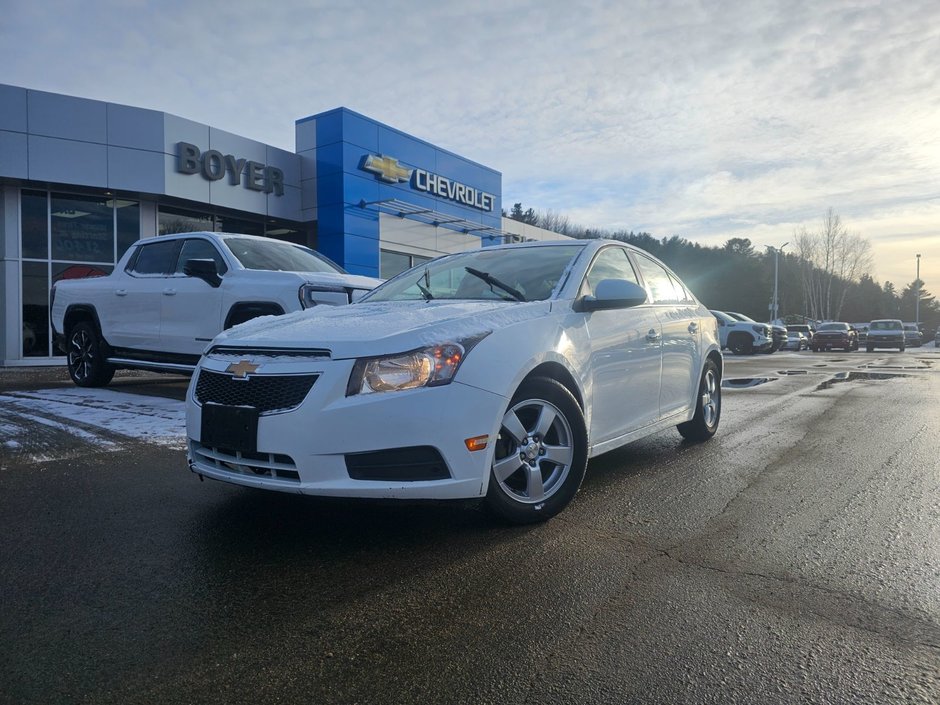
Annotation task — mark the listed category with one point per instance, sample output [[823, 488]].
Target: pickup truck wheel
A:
[[741, 345], [707, 407], [86, 363]]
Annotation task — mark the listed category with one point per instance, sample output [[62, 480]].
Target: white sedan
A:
[[495, 373]]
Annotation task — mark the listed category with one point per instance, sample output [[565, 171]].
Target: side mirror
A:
[[613, 293], [204, 269]]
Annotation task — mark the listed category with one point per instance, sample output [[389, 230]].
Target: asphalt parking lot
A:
[[794, 558]]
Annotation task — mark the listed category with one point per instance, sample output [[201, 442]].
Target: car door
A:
[[678, 316], [191, 308], [131, 320], [625, 358]]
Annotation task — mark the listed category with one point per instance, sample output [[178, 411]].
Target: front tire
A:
[[85, 358], [741, 345], [707, 408], [540, 456]]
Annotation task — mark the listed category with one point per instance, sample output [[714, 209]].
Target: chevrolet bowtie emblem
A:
[[242, 368], [387, 169]]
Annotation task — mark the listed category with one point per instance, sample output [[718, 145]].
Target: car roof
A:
[[218, 236]]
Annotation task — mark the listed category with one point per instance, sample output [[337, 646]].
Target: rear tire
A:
[[540, 455], [85, 357], [707, 407]]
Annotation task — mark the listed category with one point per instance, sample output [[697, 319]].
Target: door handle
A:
[[120, 292], [693, 327], [169, 292], [653, 336]]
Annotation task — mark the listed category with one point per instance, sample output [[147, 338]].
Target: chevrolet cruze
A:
[[492, 374]]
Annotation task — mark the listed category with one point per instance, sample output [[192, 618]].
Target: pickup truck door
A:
[[191, 308], [130, 311]]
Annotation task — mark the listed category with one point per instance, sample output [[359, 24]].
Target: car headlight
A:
[[312, 294], [761, 329], [432, 366]]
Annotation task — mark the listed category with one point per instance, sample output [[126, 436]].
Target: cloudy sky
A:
[[707, 120]]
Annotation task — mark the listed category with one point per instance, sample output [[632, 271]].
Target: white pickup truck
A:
[[170, 295], [743, 337]]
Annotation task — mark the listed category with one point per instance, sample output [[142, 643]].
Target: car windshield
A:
[[911, 327], [834, 326], [277, 256], [511, 274], [885, 325]]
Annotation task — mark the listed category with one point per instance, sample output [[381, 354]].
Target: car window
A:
[[156, 257], [658, 282], [277, 256], [198, 248], [834, 326], [531, 272], [611, 263]]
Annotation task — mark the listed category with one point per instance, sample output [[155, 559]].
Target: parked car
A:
[[743, 337], [913, 338], [885, 333], [803, 328], [777, 333], [835, 334], [862, 333], [170, 295], [796, 341], [936, 339], [494, 373]]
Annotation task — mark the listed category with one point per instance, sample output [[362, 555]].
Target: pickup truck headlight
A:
[[432, 366], [762, 330], [312, 294]]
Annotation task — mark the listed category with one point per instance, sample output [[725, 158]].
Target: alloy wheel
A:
[[81, 354]]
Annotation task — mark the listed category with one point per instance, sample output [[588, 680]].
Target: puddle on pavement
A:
[[791, 372], [857, 376], [745, 382]]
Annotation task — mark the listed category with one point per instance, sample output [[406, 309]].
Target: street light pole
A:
[[917, 300], [775, 305]]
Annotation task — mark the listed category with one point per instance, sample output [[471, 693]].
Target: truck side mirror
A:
[[204, 269]]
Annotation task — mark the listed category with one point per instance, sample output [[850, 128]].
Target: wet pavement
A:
[[794, 558]]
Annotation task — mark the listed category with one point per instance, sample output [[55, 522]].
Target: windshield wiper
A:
[[425, 291], [493, 281]]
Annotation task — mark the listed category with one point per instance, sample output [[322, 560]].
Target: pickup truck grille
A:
[[267, 393]]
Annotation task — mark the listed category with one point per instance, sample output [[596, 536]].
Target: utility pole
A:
[[775, 304], [917, 300]]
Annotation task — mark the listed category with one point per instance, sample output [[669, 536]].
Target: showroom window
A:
[[393, 263], [66, 236], [178, 220]]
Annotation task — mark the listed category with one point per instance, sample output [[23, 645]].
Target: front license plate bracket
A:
[[229, 427]]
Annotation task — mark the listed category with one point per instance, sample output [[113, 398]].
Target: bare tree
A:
[[830, 259]]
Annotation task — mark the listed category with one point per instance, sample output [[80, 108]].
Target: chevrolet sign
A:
[[389, 170]]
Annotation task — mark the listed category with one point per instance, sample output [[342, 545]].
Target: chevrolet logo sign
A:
[[241, 369], [387, 169]]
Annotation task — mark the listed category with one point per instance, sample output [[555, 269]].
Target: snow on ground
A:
[[99, 417]]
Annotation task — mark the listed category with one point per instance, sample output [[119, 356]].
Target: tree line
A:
[[823, 274]]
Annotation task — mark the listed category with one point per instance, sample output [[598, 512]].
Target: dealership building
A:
[[80, 180]]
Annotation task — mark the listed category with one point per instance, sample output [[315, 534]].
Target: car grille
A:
[[273, 465], [267, 393]]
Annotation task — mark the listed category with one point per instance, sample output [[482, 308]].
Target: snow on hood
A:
[[381, 327], [337, 279]]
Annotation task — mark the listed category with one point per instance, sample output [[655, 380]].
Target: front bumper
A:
[[304, 450], [884, 341]]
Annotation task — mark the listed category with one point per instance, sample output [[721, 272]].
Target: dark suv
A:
[[834, 335]]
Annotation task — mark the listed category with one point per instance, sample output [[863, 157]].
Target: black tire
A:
[[870, 348], [85, 358], [901, 348], [707, 406], [529, 479], [741, 344]]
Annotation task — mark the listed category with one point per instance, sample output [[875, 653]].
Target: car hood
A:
[[337, 279], [379, 328]]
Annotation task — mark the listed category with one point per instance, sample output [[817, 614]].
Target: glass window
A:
[[393, 263], [200, 249], [532, 273], [69, 270], [35, 224], [657, 281], [226, 224], [156, 257], [82, 228], [611, 263], [273, 255], [174, 220], [36, 309], [128, 225]]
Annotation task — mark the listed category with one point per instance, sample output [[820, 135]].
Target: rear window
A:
[[155, 258]]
